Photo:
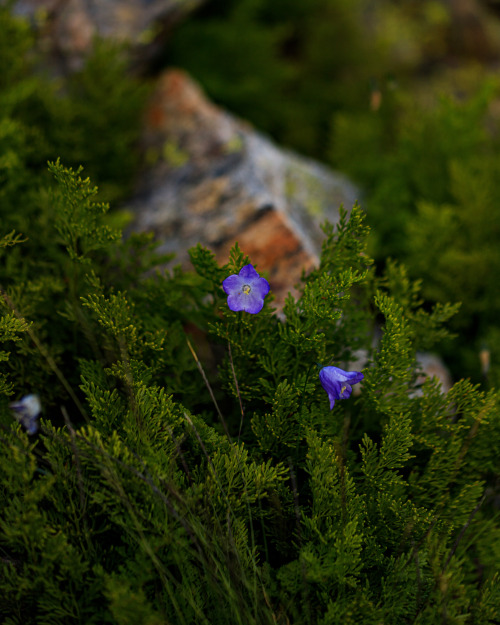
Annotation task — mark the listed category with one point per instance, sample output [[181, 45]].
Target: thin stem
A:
[[305, 386], [207, 384], [237, 388], [461, 534]]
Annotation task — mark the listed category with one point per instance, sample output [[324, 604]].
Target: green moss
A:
[[234, 145], [174, 155]]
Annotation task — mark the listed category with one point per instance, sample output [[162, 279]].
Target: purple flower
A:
[[26, 411], [246, 291], [337, 383]]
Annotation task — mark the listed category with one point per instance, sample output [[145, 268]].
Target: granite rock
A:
[[213, 179], [67, 28]]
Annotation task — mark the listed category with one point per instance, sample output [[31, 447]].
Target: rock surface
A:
[[430, 366], [433, 367], [213, 179], [67, 28]]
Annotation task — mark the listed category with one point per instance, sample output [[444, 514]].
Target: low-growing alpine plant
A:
[[189, 468]]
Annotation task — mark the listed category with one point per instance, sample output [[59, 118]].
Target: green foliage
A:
[[433, 197], [77, 217], [188, 468], [43, 119]]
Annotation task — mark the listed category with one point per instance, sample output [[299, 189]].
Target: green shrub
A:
[[188, 468]]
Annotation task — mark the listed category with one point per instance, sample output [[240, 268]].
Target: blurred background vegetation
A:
[[403, 96]]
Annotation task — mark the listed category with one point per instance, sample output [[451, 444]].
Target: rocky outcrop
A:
[[67, 28], [210, 178], [213, 179]]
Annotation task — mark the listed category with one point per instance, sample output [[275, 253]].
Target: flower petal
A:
[[261, 287], [345, 391], [248, 273], [353, 377], [337, 382], [232, 283], [236, 300], [247, 302], [254, 303], [331, 385]]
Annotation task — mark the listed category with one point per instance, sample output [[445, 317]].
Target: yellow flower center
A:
[[342, 390], [246, 288]]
